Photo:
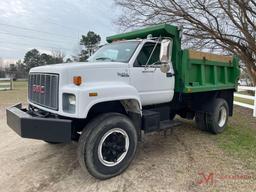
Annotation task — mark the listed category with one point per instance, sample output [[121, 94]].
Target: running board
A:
[[151, 122], [169, 124]]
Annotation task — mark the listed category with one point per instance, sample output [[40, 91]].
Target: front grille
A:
[[43, 89]]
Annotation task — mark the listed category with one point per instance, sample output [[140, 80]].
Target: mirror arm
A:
[[158, 40], [169, 74]]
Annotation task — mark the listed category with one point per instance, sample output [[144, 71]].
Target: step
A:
[[169, 124]]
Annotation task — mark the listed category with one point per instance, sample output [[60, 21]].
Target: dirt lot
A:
[[187, 160]]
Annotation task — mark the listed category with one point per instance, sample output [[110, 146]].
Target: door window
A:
[[145, 54]]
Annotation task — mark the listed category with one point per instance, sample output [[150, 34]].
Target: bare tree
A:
[[218, 25], [57, 56]]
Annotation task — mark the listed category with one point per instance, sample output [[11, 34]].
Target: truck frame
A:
[[135, 84]]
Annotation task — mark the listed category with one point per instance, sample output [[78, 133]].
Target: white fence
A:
[[6, 84], [247, 97]]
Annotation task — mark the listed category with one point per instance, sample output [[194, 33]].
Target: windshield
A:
[[115, 52]]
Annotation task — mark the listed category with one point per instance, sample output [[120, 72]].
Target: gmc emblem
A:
[[38, 89]]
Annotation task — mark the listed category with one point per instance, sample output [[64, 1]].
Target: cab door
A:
[[154, 87]]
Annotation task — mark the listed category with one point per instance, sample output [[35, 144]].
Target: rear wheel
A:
[[200, 119], [107, 145], [217, 120], [172, 115]]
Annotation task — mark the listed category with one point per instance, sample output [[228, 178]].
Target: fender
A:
[[106, 91]]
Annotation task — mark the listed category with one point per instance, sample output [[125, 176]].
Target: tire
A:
[[217, 120], [200, 119], [172, 115], [107, 145]]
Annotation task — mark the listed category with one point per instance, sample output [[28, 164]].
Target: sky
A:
[[52, 25]]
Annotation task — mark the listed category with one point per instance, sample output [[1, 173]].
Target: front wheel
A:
[[107, 145]]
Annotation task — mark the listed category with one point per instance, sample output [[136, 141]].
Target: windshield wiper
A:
[[104, 58]]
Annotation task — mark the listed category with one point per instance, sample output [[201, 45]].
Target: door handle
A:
[[148, 71]]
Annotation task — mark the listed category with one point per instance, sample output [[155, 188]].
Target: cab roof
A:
[[164, 30]]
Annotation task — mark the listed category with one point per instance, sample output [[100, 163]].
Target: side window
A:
[[144, 55]]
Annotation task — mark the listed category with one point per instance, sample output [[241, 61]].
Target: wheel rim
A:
[[113, 147], [222, 116]]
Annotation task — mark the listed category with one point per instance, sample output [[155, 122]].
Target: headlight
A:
[[69, 103], [72, 99]]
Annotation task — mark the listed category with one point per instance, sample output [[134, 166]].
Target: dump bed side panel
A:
[[199, 71]]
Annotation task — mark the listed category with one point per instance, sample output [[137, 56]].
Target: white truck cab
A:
[[120, 71]]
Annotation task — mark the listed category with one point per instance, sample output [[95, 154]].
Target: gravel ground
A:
[[187, 160]]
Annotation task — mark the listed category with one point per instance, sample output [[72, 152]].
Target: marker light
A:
[[77, 80], [93, 94]]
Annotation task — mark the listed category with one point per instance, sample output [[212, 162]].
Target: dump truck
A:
[[135, 84]]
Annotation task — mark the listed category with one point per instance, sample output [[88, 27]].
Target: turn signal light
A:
[[77, 80], [93, 94]]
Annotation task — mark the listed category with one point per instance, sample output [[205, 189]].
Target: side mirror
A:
[[165, 51], [165, 55]]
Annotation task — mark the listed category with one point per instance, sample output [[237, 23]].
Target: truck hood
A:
[[96, 72], [63, 67]]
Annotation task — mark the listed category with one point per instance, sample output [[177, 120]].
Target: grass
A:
[[239, 139], [242, 100], [17, 95]]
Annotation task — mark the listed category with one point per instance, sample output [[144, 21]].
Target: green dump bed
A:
[[199, 71], [194, 71]]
